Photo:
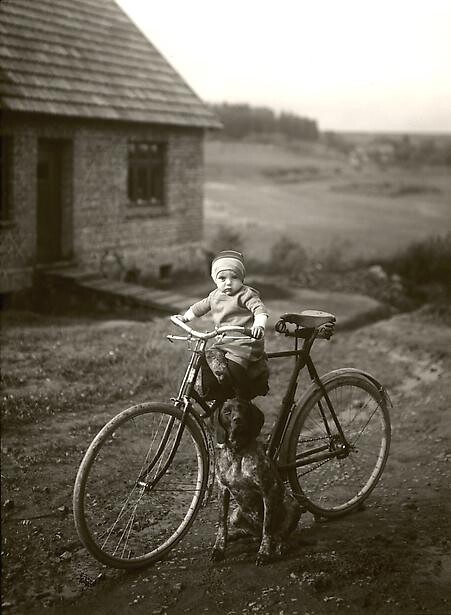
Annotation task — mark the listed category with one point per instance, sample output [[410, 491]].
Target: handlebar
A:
[[208, 335]]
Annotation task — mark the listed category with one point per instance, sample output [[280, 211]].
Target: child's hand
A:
[[257, 332]]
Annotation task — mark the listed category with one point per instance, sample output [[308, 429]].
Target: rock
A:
[[409, 505], [65, 556], [8, 505]]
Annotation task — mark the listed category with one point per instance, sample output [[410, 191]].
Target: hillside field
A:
[[314, 196]]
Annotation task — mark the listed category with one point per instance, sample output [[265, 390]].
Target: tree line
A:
[[243, 120]]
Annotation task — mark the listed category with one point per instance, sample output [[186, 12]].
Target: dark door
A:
[[49, 214]]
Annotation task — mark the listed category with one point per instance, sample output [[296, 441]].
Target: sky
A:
[[352, 65]]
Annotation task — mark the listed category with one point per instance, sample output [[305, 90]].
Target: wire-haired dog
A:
[[244, 470]]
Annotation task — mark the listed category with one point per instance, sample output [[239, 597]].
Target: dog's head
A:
[[242, 422]]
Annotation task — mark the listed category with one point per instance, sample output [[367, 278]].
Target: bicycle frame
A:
[[302, 359]]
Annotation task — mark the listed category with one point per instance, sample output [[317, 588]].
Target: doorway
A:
[[49, 201]]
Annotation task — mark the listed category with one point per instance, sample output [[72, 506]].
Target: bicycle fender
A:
[[314, 388], [351, 371]]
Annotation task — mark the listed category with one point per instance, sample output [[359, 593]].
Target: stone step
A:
[[168, 301]]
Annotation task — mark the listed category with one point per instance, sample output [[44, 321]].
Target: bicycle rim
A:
[[331, 487], [123, 517]]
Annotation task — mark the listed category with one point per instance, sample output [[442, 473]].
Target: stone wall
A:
[[18, 233], [98, 222]]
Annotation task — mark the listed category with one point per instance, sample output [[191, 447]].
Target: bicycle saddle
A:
[[309, 318]]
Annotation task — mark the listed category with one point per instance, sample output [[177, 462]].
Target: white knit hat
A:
[[228, 260]]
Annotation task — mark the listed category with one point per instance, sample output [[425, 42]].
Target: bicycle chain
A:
[[322, 462], [315, 439]]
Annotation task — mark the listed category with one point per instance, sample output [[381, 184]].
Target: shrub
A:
[[288, 257], [335, 257], [225, 238], [425, 263]]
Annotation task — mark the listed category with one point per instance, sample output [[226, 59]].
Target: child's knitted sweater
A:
[[238, 309]]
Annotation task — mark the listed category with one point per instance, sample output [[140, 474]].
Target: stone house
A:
[[101, 145]]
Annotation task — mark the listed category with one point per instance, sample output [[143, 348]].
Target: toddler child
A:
[[234, 303]]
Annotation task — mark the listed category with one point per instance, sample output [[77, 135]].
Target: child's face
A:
[[228, 282]]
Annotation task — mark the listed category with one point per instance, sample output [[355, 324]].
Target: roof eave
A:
[[113, 115]]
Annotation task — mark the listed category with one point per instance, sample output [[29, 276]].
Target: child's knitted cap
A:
[[228, 260]]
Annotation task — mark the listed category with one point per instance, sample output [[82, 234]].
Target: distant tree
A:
[[335, 141], [243, 120], [403, 150], [263, 120]]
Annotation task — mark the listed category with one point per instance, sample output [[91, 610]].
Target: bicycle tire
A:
[[121, 521], [336, 486]]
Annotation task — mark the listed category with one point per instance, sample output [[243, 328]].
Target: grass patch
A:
[[82, 366]]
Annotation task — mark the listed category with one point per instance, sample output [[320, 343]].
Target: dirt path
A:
[[393, 557]]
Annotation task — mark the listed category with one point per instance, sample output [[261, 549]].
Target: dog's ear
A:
[[221, 417], [224, 414], [257, 419]]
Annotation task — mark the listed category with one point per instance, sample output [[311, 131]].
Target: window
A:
[[5, 179], [146, 170]]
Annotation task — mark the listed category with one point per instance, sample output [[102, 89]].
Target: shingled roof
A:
[[85, 58]]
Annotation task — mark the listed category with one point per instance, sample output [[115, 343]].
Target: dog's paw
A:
[[216, 555], [280, 549], [262, 559]]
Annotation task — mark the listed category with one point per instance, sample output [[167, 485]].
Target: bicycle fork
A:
[[182, 400], [157, 459]]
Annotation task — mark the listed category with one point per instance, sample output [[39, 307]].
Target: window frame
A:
[[146, 175]]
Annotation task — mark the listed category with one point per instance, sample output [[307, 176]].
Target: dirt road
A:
[[394, 557]]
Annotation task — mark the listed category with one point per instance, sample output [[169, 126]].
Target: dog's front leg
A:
[[266, 547], [219, 548]]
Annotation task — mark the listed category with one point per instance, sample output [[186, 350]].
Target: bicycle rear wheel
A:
[[132, 503], [333, 486]]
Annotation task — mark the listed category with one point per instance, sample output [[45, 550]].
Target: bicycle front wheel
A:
[[140, 485], [335, 475]]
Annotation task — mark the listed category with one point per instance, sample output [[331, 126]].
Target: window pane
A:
[[146, 170], [141, 184]]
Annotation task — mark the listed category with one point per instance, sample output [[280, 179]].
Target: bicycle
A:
[[148, 472]]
